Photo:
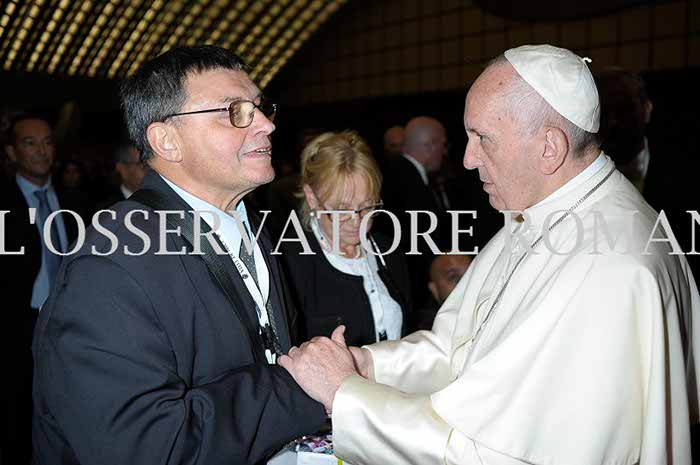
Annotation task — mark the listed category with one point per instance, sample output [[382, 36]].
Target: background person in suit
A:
[[408, 187], [28, 277], [167, 358], [662, 163], [129, 171], [445, 272]]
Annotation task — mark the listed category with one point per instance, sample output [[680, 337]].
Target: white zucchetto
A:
[[563, 79]]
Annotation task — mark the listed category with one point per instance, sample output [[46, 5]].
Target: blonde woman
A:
[[368, 294]]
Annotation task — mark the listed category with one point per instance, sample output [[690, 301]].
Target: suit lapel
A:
[[229, 280]]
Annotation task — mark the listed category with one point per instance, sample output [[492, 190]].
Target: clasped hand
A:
[[321, 365]]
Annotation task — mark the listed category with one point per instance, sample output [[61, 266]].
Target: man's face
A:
[[132, 171], [445, 273], [497, 147], [32, 149], [393, 140], [216, 155]]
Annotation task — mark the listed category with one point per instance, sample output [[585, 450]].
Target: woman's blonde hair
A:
[[329, 160]]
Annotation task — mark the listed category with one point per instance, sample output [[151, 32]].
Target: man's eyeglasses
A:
[[345, 215], [240, 112]]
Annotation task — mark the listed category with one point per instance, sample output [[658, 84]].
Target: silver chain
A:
[[534, 244]]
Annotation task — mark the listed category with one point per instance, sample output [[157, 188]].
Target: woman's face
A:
[[355, 197]]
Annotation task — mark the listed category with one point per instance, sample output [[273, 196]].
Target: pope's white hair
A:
[[531, 111]]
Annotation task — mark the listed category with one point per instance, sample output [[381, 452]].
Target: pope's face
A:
[[217, 155], [497, 146]]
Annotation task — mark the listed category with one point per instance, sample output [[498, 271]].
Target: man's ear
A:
[[164, 142], [648, 108], [310, 197], [10, 150], [556, 148]]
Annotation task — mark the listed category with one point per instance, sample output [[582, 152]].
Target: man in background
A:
[[393, 141], [27, 278], [129, 171], [662, 165], [408, 187], [445, 272]]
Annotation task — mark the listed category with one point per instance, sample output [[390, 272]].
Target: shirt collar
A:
[[225, 220], [126, 192], [637, 167], [28, 188], [419, 167]]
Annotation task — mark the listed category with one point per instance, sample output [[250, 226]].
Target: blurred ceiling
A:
[[111, 38], [551, 10]]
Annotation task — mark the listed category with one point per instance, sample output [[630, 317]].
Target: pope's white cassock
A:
[[587, 359]]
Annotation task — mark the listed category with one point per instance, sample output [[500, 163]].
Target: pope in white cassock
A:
[[571, 340]]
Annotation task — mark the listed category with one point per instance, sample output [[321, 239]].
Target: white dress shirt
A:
[[385, 310], [419, 167], [42, 286], [230, 235]]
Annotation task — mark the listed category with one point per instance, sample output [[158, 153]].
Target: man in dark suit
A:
[[408, 187], [661, 163], [27, 277], [145, 354]]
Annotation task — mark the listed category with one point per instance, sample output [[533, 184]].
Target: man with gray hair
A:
[[535, 358]]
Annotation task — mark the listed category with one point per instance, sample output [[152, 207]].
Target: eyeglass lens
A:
[[242, 112]]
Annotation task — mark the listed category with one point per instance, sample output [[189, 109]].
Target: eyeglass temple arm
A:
[[198, 111]]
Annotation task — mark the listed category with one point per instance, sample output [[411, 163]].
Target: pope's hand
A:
[[363, 362], [320, 366]]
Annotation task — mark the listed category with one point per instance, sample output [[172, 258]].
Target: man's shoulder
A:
[[129, 234]]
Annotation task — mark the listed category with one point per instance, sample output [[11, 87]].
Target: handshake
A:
[[321, 365]]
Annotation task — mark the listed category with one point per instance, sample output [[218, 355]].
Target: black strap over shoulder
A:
[[215, 263]]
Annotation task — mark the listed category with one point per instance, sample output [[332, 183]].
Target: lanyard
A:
[[256, 294]]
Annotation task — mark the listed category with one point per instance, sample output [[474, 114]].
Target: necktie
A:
[[51, 260], [269, 332]]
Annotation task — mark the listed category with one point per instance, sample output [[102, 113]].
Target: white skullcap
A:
[[562, 78]]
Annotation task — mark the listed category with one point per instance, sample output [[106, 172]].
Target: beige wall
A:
[[397, 47]]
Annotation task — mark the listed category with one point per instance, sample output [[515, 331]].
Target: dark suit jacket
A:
[[404, 190], [671, 186], [21, 270], [143, 359]]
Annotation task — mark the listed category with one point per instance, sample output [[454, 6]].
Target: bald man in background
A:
[[407, 187]]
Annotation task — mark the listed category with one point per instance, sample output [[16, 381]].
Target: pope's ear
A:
[[556, 149], [164, 142]]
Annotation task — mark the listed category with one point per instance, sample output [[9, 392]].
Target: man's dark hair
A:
[[17, 118], [156, 89]]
